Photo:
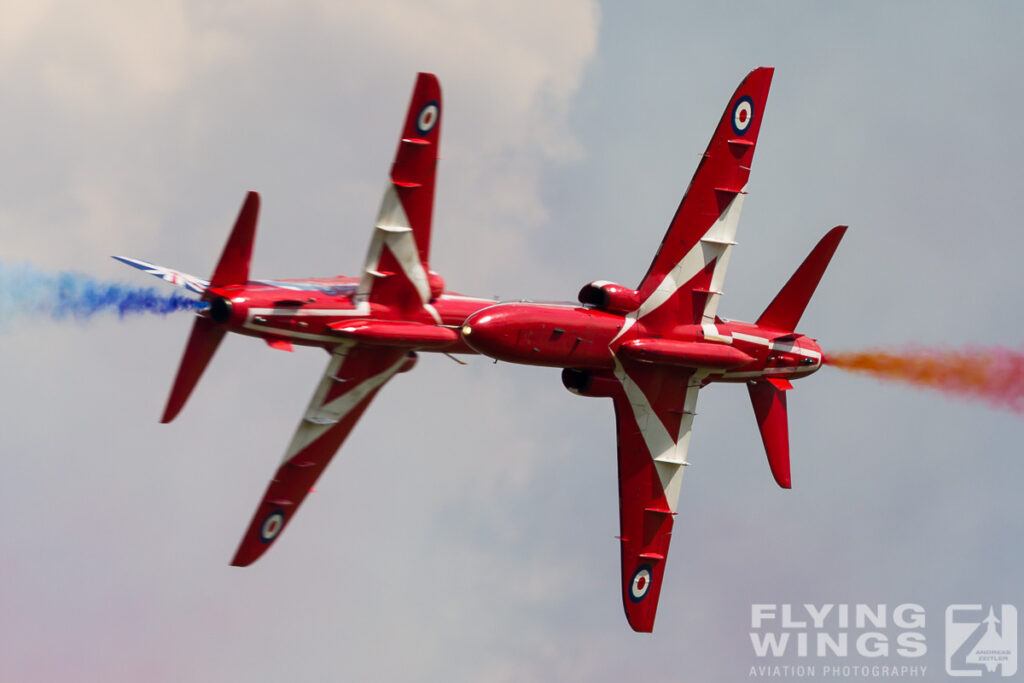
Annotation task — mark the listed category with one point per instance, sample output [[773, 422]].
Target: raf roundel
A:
[[272, 526], [428, 117], [742, 114], [640, 584]]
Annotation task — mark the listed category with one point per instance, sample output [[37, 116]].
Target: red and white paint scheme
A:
[[651, 349], [371, 325]]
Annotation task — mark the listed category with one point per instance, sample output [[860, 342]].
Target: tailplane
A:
[[785, 310], [232, 269], [769, 400], [768, 395]]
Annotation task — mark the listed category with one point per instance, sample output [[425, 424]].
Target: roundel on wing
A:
[[272, 525], [742, 114], [428, 117], [640, 583]]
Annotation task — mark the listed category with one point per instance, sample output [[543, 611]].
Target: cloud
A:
[[129, 105]]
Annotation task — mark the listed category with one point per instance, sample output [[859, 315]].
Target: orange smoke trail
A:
[[994, 375]]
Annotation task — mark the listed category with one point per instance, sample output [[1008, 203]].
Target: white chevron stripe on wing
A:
[[668, 452], [320, 416], [715, 244], [394, 232]]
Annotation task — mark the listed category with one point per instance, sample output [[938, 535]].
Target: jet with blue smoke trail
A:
[[371, 325]]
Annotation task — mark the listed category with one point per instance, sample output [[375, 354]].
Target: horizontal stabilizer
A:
[[769, 403], [202, 343], [784, 312], [232, 269], [175, 277]]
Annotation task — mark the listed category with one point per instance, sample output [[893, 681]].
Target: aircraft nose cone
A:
[[487, 333]]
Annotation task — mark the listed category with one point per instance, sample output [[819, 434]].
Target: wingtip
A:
[[175, 402], [765, 71], [238, 561], [640, 622], [642, 628], [248, 551]]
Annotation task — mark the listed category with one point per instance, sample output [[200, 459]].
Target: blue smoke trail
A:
[[27, 292]]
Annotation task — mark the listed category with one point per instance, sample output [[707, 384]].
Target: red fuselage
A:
[[573, 336], [326, 312]]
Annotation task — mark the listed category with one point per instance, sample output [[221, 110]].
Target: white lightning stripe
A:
[[695, 261], [460, 297], [320, 416], [627, 323], [711, 333], [775, 345], [790, 347], [433, 312], [762, 373], [722, 234], [668, 453], [671, 472], [363, 308], [175, 277], [752, 339]]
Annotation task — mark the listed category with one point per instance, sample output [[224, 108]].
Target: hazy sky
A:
[[466, 530]]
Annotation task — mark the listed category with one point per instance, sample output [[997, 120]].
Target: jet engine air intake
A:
[[610, 297], [588, 383]]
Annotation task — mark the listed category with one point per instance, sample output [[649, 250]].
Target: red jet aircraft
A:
[[370, 325], [651, 349]]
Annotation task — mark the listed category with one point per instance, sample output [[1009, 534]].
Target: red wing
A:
[[353, 377], [415, 166], [396, 270], [653, 416], [684, 281]]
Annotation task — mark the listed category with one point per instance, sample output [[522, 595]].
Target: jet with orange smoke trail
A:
[[652, 348]]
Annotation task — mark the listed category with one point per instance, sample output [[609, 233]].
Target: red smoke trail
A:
[[992, 374]]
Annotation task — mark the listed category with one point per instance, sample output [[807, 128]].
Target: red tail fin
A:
[[784, 312], [769, 403], [202, 343], [232, 269]]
